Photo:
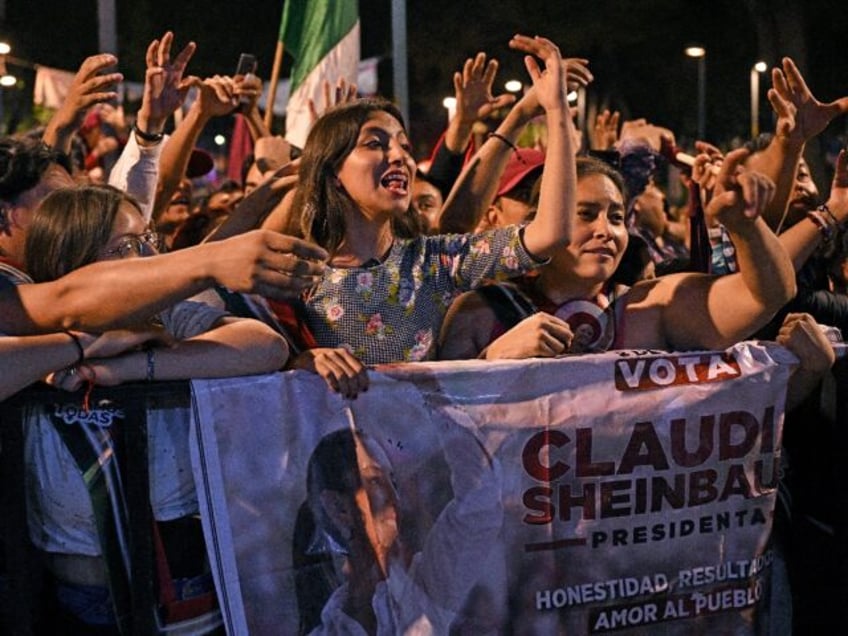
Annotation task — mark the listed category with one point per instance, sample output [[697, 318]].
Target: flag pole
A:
[[272, 88]]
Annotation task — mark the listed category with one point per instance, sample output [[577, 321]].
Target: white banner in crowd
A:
[[622, 492]]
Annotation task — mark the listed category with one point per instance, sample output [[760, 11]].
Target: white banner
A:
[[628, 491]]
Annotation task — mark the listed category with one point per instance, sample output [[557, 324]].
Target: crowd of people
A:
[[352, 252]]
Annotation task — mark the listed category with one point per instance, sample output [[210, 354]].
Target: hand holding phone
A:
[[246, 66]]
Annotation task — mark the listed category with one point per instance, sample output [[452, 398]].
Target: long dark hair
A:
[[319, 202]]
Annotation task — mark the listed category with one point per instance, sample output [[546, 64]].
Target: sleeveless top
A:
[[597, 323]]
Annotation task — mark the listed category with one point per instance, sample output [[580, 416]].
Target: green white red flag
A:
[[322, 36]]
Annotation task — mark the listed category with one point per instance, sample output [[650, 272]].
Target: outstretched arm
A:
[[116, 293], [235, 346], [715, 312]]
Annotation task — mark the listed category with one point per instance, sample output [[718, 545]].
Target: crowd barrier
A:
[[327, 413]]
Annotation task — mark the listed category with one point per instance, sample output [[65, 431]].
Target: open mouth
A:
[[396, 182]]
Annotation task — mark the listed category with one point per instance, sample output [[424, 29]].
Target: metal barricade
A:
[[24, 571]]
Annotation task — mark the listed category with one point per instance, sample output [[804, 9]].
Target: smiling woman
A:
[[383, 299], [573, 306]]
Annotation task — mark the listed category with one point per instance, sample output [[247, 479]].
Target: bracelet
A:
[[146, 136], [823, 208], [822, 223], [500, 137], [151, 365], [80, 349]]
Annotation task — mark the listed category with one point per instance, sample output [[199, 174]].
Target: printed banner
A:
[[627, 492]]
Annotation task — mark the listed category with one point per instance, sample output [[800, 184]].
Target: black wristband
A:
[[146, 136], [502, 139], [80, 350]]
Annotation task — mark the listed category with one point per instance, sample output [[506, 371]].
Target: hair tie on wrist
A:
[[78, 344], [503, 139]]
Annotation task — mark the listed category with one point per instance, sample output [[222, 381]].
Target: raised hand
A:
[[473, 89], [605, 132], [216, 95], [800, 115], [740, 195], [249, 89], [87, 89], [343, 93], [549, 82], [165, 88]]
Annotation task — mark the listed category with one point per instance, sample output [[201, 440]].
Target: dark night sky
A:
[[635, 48]]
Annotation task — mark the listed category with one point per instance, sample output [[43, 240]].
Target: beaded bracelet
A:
[[78, 344]]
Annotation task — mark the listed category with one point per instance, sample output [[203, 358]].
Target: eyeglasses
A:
[[144, 244]]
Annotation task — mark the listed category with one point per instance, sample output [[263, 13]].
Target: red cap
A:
[[522, 162], [199, 164]]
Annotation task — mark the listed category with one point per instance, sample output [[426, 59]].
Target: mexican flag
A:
[[323, 38]]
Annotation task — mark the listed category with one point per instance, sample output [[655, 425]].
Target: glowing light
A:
[[513, 86], [695, 51], [8, 80], [5, 49], [449, 102], [761, 67], [220, 140]]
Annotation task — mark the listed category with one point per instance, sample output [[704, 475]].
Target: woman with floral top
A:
[[383, 299]]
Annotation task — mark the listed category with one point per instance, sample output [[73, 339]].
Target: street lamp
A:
[[700, 54], [759, 67], [513, 86]]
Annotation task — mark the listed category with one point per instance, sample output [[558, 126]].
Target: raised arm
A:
[[702, 311], [137, 169], [88, 88], [110, 294], [216, 97], [800, 117], [551, 228], [476, 187], [802, 239]]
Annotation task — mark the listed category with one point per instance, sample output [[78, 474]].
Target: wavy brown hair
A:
[[319, 202], [69, 228]]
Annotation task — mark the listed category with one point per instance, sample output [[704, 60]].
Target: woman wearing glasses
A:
[[73, 227]]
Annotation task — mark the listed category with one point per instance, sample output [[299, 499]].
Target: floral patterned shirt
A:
[[393, 311]]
